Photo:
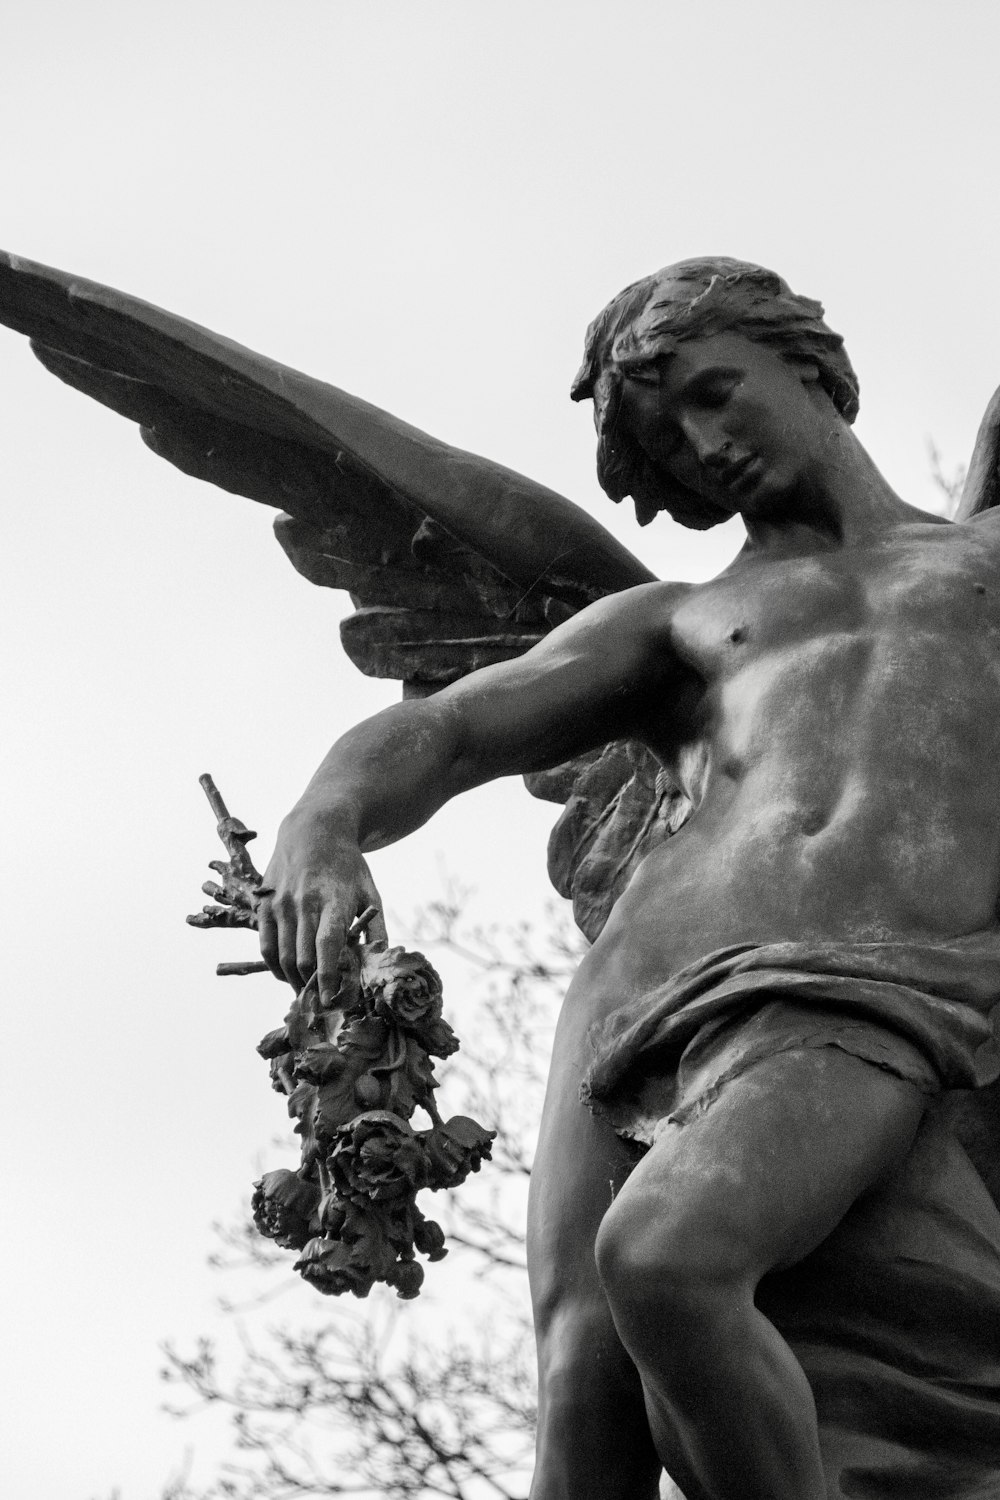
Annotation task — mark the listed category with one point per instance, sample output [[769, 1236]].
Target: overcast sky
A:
[[425, 203]]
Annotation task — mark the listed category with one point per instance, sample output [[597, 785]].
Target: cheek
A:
[[683, 466], [776, 438]]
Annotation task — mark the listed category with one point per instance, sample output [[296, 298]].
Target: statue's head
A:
[[639, 331]]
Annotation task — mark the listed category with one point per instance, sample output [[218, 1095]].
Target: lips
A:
[[744, 469]]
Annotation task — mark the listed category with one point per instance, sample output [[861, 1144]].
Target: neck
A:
[[842, 501]]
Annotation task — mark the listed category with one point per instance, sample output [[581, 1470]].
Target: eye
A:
[[713, 393]]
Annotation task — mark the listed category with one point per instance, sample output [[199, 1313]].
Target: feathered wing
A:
[[619, 803], [981, 490], [432, 601]]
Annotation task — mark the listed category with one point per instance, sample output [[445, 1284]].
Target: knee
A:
[[642, 1257], [660, 1271]]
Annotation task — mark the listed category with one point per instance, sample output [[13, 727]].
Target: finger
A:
[[331, 934], [288, 945], [267, 932], [305, 947]]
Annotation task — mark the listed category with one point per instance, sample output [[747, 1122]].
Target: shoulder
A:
[[647, 605], [622, 634]]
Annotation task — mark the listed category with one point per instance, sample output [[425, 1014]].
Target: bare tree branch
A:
[[949, 482]]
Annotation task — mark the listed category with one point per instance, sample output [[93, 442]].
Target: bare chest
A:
[[924, 585]]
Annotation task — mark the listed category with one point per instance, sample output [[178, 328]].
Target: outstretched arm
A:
[[589, 682]]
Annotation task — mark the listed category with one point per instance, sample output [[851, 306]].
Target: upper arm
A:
[[589, 682]]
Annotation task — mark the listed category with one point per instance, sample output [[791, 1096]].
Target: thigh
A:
[[769, 1168], [580, 1166]]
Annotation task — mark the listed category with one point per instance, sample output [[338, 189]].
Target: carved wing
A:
[[619, 804], [981, 490], [430, 605]]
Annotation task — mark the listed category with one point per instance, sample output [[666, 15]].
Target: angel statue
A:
[[764, 1242]]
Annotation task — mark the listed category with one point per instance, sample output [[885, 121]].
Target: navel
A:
[[738, 634], [980, 588]]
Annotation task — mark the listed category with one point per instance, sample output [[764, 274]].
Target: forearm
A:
[[380, 781], [384, 778]]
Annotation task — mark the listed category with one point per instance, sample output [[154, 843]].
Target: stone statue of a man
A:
[[787, 982]]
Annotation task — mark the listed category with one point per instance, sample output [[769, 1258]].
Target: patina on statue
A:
[[761, 1256], [831, 706]]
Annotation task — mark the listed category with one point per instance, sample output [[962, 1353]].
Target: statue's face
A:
[[732, 421]]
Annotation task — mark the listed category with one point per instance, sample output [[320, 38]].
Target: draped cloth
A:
[[920, 1010], [896, 1317]]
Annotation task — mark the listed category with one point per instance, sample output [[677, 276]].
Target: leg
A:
[[753, 1184], [593, 1437]]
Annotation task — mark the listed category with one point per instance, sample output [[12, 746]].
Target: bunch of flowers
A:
[[355, 1071]]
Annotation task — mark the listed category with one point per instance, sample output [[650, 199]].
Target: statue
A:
[[766, 1256]]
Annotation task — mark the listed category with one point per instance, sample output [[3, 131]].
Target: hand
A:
[[320, 883]]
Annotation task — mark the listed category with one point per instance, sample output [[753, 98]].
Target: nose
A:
[[711, 448]]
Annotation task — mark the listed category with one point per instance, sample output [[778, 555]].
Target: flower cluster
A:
[[354, 1070], [355, 1073]]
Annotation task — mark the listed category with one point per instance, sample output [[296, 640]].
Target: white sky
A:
[[424, 202]]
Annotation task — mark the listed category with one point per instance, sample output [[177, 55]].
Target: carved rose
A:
[[378, 1157], [353, 1072], [455, 1149], [406, 988], [282, 1206], [328, 1266]]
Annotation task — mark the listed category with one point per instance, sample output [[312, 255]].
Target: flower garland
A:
[[354, 1070]]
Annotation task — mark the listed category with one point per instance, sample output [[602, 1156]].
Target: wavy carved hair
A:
[[694, 299]]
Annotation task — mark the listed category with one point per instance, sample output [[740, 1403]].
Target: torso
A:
[[841, 743]]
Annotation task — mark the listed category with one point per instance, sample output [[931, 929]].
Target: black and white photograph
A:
[[502, 751]]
